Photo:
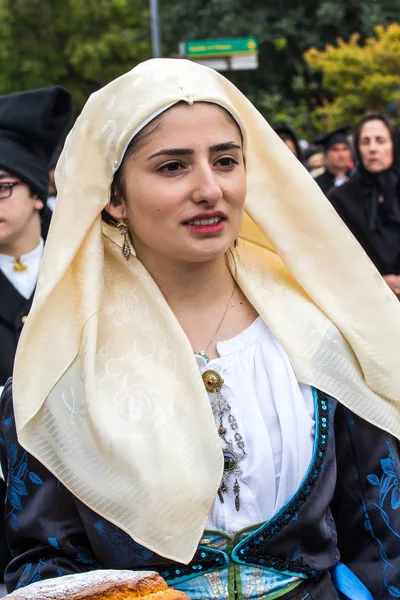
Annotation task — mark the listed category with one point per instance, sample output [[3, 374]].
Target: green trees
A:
[[81, 44], [284, 87], [359, 77]]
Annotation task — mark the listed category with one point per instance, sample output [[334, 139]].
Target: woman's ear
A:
[[116, 207], [116, 211], [38, 204]]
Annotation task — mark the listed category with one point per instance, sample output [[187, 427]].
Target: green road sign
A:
[[221, 47]]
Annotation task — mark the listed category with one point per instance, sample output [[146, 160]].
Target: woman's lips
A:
[[206, 229]]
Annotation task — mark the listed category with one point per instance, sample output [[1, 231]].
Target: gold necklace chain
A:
[[203, 353]]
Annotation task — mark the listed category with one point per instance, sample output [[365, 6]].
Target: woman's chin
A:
[[205, 251], [375, 168]]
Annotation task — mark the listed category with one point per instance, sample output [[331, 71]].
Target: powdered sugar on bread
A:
[[101, 584]]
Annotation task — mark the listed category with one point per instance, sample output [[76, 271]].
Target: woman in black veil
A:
[[369, 203]]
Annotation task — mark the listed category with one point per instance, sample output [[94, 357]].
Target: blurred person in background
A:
[[369, 203], [31, 124], [288, 136], [337, 158], [316, 164]]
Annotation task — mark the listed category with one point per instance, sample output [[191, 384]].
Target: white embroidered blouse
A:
[[275, 416]]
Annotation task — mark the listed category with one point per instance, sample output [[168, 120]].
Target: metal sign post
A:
[[155, 29]]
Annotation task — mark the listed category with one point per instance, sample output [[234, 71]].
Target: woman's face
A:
[[376, 146], [185, 186]]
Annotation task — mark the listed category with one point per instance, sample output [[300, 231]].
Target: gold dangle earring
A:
[[126, 250], [236, 243]]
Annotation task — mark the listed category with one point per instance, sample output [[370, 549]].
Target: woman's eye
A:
[[226, 161], [171, 167]]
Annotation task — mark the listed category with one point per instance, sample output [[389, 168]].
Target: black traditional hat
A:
[[31, 125], [337, 136]]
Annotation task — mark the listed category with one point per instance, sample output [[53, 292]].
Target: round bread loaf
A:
[[100, 585]]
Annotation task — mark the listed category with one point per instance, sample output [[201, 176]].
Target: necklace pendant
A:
[[19, 266], [204, 355], [230, 461], [236, 491], [212, 381], [237, 503], [223, 489]]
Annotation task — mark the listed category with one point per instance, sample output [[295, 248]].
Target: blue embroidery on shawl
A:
[[53, 542], [349, 417], [84, 559], [389, 488], [30, 574], [18, 481], [120, 545], [18, 473]]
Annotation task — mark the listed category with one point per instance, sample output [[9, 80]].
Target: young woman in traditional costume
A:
[[226, 416]]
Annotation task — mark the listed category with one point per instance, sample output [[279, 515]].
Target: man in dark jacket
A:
[[31, 125], [337, 158]]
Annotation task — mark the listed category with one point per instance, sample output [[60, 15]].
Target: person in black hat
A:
[[31, 125], [288, 136], [337, 155]]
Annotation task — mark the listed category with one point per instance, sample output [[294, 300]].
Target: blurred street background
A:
[[321, 63]]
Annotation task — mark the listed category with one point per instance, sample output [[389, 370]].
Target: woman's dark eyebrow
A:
[[225, 146], [172, 152], [187, 151]]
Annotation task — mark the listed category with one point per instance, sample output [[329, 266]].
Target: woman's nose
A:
[[206, 186]]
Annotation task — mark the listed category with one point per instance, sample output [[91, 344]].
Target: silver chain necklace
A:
[[232, 449], [203, 353]]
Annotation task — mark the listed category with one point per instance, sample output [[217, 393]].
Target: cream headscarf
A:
[[107, 391]]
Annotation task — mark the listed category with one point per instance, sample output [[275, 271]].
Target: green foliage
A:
[[284, 84], [359, 76], [81, 44]]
